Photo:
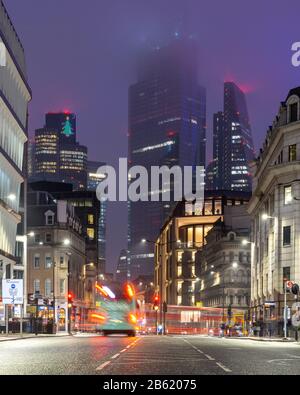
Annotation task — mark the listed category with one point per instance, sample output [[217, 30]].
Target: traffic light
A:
[[156, 301], [70, 299]]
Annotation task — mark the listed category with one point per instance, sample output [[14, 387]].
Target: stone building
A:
[[275, 213]]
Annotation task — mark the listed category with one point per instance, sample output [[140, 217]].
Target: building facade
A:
[[225, 263], [93, 179], [232, 141], [183, 236], [275, 213], [167, 126], [56, 260], [86, 208], [122, 272], [15, 94], [57, 156]]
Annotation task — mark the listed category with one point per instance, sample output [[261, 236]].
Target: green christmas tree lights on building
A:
[[67, 128]]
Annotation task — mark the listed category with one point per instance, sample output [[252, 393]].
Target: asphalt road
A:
[[176, 355]]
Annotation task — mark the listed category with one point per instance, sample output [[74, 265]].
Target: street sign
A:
[[12, 292]]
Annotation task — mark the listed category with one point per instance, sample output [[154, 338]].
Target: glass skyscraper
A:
[[167, 126], [233, 145]]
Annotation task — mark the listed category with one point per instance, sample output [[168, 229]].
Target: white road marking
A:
[[115, 356], [102, 366], [123, 350], [209, 357], [223, 367]]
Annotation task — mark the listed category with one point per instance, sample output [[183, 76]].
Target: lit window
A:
[[208, 208], [48, 262], [179, 270], [90, 219], [287, 194], [91, 233], [292, 152], [199, 236]]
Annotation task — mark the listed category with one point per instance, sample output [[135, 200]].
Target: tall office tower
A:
[[46, 154], [122, 267], [93, 179], [57, 154], [15, 94], [73, 165], [167, 126], [65, 124], [233, 145]]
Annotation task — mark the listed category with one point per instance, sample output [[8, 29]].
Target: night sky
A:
[[81, 56]]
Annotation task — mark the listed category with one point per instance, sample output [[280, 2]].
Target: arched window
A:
[[49, 217]]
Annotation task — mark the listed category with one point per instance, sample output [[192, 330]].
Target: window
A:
[[287, 194], [199, 236], [49, 218], [286, 235], [36, 286], [294, 112], [61, 261], [37, 238], [62, 286], [48, 238], [292, 152], [208, 208], [48, 262], [90, 218], [218, 207], [190, 236], [179, 270], [188, 209], [286, 273], [36, 262], [18, 274], [91, 233], [48, 287]]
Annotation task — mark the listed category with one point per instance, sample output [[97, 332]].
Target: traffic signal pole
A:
[[285, 314]]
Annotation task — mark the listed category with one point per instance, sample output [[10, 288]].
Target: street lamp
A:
[[31, 234], [67, 242], [265, 216], [12, 197], [245, 242], [235, 265]]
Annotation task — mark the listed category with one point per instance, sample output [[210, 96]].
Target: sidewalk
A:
[[267, 339], [17, 336]]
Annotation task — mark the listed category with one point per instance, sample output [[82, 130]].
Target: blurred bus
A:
[[115, 311]]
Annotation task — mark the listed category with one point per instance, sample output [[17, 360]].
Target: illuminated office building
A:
[[233, 145], [14, 97], [167, 126], [57, 156], [93, 179]]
